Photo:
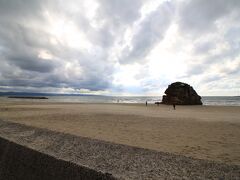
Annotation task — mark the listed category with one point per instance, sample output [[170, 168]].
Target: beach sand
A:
[[203, 132]]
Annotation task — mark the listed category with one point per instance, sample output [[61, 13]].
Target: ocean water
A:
[[221, 100], [207, 100]]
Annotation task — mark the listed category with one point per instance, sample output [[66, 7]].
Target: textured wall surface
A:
[[19, 162]]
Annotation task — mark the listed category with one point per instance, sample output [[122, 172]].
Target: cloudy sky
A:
[[119, 47]]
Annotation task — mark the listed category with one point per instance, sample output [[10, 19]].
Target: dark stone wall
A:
[[18, 162]]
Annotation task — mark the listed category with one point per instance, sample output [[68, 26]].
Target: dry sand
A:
[[43, 154], [204, 132]]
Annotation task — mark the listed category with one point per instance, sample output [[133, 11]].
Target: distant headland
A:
[[28, 97]]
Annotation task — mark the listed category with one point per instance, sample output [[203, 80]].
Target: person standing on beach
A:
[[174, 101], [174, 106], [146, 103]]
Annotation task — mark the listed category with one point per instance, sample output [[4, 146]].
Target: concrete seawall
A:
[[19, 162]]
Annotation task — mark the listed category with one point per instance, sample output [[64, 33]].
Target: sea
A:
[[207, 100]]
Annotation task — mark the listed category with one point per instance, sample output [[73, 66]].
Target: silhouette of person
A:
[[146, 103], [174, 106]]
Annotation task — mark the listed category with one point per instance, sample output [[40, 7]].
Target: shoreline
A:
[[126, 100], [22, 101]]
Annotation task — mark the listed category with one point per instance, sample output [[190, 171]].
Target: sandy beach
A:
[[203, 132]]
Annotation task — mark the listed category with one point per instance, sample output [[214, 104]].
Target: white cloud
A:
[[120, 47]]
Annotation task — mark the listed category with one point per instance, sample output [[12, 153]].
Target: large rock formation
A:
[[182, 94]]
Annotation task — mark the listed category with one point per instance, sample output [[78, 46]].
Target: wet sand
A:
[[203, 132]]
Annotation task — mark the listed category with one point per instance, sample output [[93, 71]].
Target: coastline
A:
[[207, 100]]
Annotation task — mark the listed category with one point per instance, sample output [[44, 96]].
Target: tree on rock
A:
[[180, 93]]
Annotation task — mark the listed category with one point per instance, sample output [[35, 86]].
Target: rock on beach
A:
[[180, 93]]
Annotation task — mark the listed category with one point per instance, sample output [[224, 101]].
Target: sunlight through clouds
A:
[[67, 33], [133, 47]]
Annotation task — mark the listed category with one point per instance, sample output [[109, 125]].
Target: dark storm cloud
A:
[[23, 36], [201, 15], [19, 45], [32, 63], [19, 9]]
